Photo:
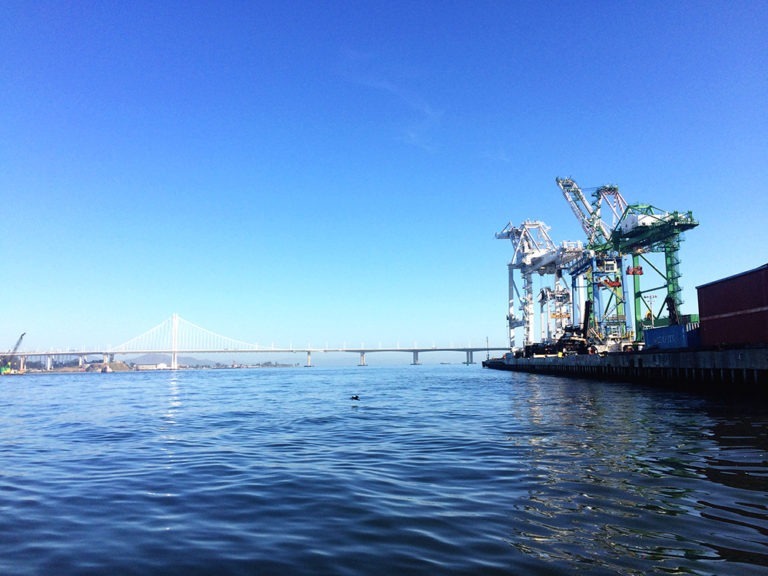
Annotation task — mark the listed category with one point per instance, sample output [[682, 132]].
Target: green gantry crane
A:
[[635, 230], [644, 229], [7, 359]]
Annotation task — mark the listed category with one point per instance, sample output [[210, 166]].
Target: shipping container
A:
[[694, 336], [734, 311], [672, 337]]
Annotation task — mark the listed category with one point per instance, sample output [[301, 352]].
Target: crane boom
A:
[[591, 216], [5, 361], [578, 203], [12, 353]]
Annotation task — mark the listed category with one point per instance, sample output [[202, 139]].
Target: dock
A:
[[743, 369]]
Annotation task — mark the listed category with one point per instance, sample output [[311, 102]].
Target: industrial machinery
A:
[[615, 231], [535, 252], [644, 229], [6, 361], [600, 268], [635, 230]]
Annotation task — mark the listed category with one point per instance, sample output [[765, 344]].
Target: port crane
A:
[[645, 229], [590, 215], [535, 252], [601, 264], [5, 361], [634, 230]]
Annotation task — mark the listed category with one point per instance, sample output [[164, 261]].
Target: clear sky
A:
[[334, 172]]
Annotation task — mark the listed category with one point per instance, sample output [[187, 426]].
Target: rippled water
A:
[[435, 470]]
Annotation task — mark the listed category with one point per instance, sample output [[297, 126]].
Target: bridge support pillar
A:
[[470, 358], [81, 361], [309, 359], [174, 342], [362, 359], [415, 358], [49, 363], [22, 363]]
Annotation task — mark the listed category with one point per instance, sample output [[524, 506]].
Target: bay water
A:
[[447, 469]]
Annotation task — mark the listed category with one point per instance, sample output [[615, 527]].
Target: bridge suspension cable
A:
[[176, 334]]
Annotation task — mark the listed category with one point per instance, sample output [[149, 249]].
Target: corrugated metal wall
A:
[[734, 310]]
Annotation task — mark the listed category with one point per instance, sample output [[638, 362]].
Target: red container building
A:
[[734, 311]]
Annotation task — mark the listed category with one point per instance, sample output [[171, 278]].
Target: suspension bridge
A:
[[176, 337]]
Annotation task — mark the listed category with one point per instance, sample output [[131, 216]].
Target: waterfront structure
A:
[[743, 369], [727, 351], [175, 337], [729, 346], [534, 252], [601, 264], [734, 310], [617, 230], [599, 299]]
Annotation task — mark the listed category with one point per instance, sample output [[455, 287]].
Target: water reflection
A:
[[739, 466], [271, 472], [174, 400], [622, 478]]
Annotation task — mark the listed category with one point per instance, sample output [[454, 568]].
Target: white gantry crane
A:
[[535, 252]]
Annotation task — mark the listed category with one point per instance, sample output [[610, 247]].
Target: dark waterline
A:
[[435, 470]]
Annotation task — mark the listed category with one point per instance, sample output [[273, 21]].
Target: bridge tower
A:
[[175, 342]]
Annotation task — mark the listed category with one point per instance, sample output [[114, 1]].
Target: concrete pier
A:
[[715, 370]]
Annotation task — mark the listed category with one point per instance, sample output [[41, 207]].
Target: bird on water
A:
[[355, 397]]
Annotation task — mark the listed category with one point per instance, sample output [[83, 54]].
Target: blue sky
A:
[[334, 172]]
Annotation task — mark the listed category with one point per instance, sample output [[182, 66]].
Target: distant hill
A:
[[166, 359], [155, 359]]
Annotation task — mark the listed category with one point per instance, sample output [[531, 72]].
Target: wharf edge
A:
[[743, 369]]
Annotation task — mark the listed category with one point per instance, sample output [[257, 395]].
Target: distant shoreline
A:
[[122, 367]]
